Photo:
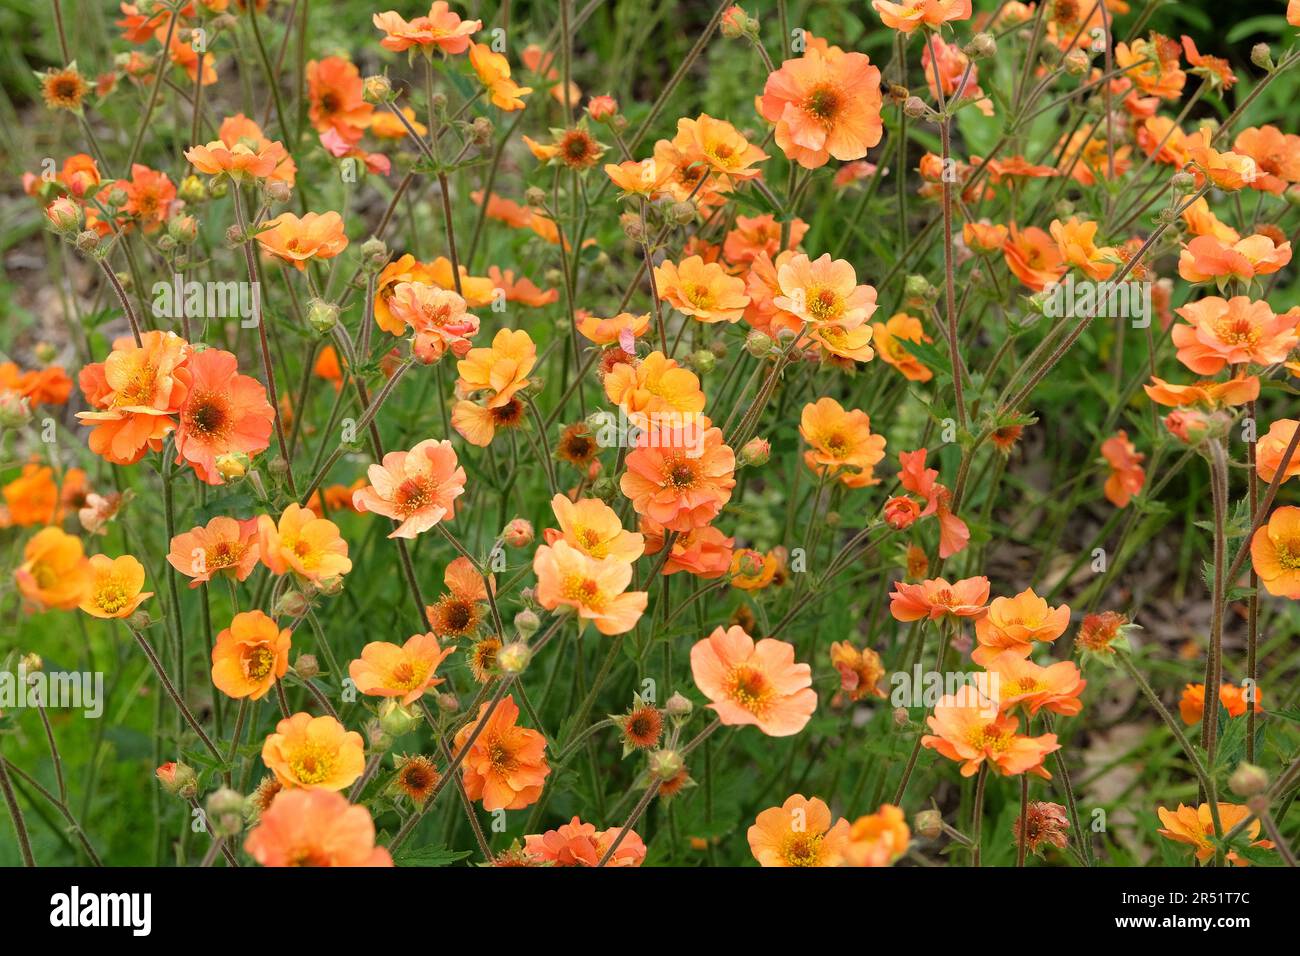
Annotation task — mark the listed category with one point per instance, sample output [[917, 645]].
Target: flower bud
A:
[[322, 316], [982, 46], [225, 812], [758, 344], [276, 190], [291, 604], [915, 107], [514, 657], [396, 720], [901, 717], [518, 533], [64, 216], [232, 466], [481, 130], [139, 621], [900, 512], [527, 622], [666, 764], [184, 229], [31, 662], [1183, 182], [678, 707], [632, 226], [1077, 62], [87, 242], [15, 410], [178, 779], [703, 361], [306, 666], [928, 824], [682, 213], [601, 108], [1262, 57], [376, 88], [448, 702], [192, 189], [756, 452], [535, 196], [1248, 780]]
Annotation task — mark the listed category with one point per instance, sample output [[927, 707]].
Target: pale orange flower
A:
[[54, 573], [611, 330], [703, 290], [1022, 683], [242, 157], [825, 104], [438, 317], [581, 844], [493, 71], [404, 672], [754, 683], [441, 27], [296, 241], [824, 291], [224, 545], [250, 656], [310, 547], [1016, 623], [1271, 450], [315, 828], [506, 767], [908, 16], [1275, 552], [595, 588], [1205, 258], [1276, 155], [416, 488], [593, 528], [936, 598], [888, 338], [841, 444], [315, 753], [680, 475], [1228, 170], [116, 587], [384, 125], [1127, 476], [798, 833], [655, 385], [719, 146], [878, 839], [1195, 827], [521, 290], [970, 730], [1234, 331]]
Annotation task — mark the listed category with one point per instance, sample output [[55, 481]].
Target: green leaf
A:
[[429, 856]]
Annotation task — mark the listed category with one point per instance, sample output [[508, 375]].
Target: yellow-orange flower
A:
[[889, 338], [1016, 623], [798, 833], [719, 146], [116, 587], [970, 730], [754, 683], [878, 839], [500, 370], [315, 753], [702, 289], [592, 527], [1275, 552], [493, 71], [1022, 683], [595, 588], [55, 572], [1076, 242], [1194, 826], [653, 386], [299, 542], [1191, 705], [32, 497], [825, 104], [860, 670], [405, 672], [506, 766], [1271, 450], [250, 656], [135, 391], [841, 445], [315, 828], [296, 241]]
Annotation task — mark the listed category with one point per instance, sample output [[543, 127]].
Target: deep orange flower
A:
[[416, 488], [54, 572], [223, 413], [753, 570], [1101, 634], [1275, 552], [937, 598], [250, 656], [493, 71], [703, 290], [840, 443], [299, 542], [1033, 257], [296, 241], [798, 833], [581, 844], [1213, 68], [334, 89], [1195, 827], [984, 236], [754, 234], [1233, 331], [1160, 74], [45, 386], [521, 290], [460, 609], [135, 391], [680, 475], [1127, 476], [32, 497], [223, 545], [754, 683], [1016, 623], [825, 104], [595, 588], [970, 730], [315, 753], [116, 587], [506, 766], [150, 196], [878, 839], [405, 672], [315, 828], [441, 27], [1191, 705]]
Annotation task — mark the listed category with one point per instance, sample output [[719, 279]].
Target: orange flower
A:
[[1206, 258], [907, 16], [1271, 449], [300, 542], [1233, 331], [1195, 827], [984, 236], [501, 370], [888, 338], [1200, 221], [593, 528], [240, 129], [460, 610], [150, 196], [438, 317], [478, 424], [841, 445], [1191, 705], [1127, 476], [315, 753], [749, 683], [1033, 257], [384, 125], [493, 71], [798, 833], [1210, 393], [55, 572], [506, 766], [1159, 75], [406, 672], [573, 148], [1213, 68], [1228, 170], [653, 386], [46, 386], [1022, 683], [416, 488], [1103, 633], [315, 828], [825, 291], [754, 234], [32, 497], [701, 289], [223, 545], [936, 598], [295, 241], [136, 389], [595, 588], [719, 146], [521, 290], [1015, 623], [334, 89], [581, 844], [878, 839], [115, 587], [644, 178], [223, 413], [1275, 552], [442, 27], [609, 331], [250, 656], [243, 154], [1075, 241], [825, 104], [1276, 155], [860, 670], [680, 475], [752, 570], [970, 730]]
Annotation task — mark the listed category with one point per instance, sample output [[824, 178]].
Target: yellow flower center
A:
[[583, 590], [802, 849], [311, 764], [1232, 331], [748, 688], [111, 595], [987, 738], [823, 103], [258, 662]]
